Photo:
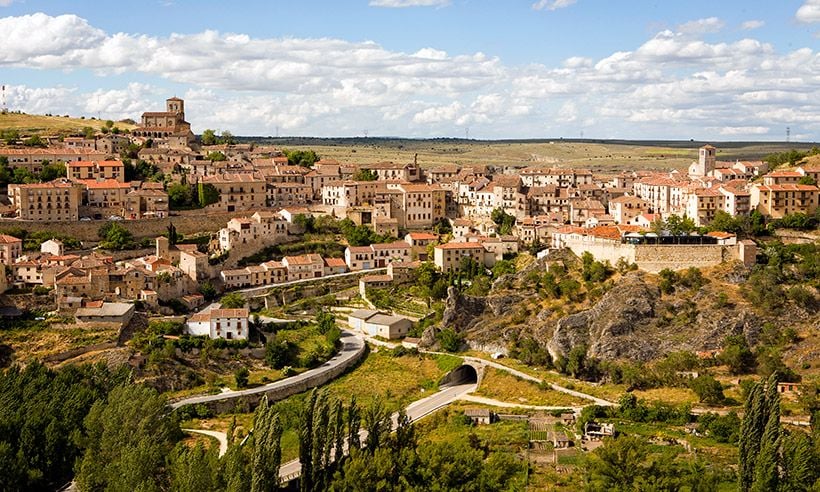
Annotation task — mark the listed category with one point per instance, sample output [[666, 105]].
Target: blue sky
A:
[[725, 70]]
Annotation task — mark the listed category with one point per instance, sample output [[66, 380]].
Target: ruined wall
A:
[[654, 258]]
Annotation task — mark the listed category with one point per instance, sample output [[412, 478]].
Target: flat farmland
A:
[[599, 155]]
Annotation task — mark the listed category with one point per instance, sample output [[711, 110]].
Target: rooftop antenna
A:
[[788, 134], [3, 108]]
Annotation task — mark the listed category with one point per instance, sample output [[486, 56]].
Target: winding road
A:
[[353, 347]]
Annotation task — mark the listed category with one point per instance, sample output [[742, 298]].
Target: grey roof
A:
[[384, 319], [364, 314], [107, 309]]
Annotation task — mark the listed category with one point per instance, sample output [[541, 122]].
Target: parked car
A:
[[115, 217], [85, 219]]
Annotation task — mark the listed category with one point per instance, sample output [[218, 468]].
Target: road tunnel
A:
[[464, 374]]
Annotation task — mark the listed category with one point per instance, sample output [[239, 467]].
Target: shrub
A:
[[241, 375]]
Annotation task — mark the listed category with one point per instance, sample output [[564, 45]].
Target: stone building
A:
[[56, 201]]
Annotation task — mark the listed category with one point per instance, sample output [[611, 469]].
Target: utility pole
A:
[[788, 134], [3, 108]]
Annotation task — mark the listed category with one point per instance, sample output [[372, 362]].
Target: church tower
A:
[[175, 105], [706, 160]]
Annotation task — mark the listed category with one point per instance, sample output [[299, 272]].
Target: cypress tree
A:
[[354, 423], [799, 467], [319, 441], [768, 458], [339, 433], [750, 434], [275, 457], [306, 443]]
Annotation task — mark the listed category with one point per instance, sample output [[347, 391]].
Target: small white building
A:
[[53, 246], [357, 318], [386, 326], [230, 324]]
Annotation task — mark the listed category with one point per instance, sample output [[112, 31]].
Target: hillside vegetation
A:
[[31, 124]]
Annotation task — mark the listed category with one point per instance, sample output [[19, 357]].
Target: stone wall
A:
[[248, 402], [188, 223], [654, 258], [603, 250]]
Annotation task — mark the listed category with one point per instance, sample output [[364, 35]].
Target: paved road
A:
[[415, 411], [498, 403], [219, 436], [514, 372], [353, 346]]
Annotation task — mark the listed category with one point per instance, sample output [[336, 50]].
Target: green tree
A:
[[708, 389], [129, 436], [207, 194], [278, 352], [51, 172], [208, 137], [737, 355], [207, 290], [115, 236], [216, 156], [194, 469], [503, 221], [179, 195], [233, 300], [304, 158], [241, 377], [450, 340], [267, 451], [226, 138], [365, 175]]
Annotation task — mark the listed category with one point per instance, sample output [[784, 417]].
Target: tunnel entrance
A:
[[464, 374]]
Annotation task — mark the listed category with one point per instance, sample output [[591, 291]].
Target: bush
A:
[[708, 389], [241, 375], [450, 340], [41, 290]]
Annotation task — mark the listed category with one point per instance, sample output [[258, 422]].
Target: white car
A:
[[115, 217]]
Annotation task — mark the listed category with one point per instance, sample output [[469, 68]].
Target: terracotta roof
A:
[[393, 245], [422, 236], [99, 184], [335, 262], [6, 239], [229, 313], [788, 187], [468, 245], [377, 278]]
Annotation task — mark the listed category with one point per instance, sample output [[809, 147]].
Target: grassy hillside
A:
[[30, 124]]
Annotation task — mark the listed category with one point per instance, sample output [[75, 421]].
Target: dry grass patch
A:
[[28, 124], [500, 385]]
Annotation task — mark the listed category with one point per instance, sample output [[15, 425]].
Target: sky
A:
[[485, 69]]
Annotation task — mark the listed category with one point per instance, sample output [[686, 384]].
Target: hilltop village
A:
[[401, 214], [224, 276]]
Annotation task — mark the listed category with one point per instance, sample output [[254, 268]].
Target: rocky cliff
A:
[[631, 320]]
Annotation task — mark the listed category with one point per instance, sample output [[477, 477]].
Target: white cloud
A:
[[809, 12], [743, 130], [6, 3], [702, 26], [673, 85], [398, 4], [751, 25], [552, 4]]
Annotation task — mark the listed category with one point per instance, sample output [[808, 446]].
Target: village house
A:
[[146, 202], [626, 208], [257, 231], [11, 248], [777, 200], [448, 257], [237, 191], [391, 171], [304, 266], [55, 201], [418, 242], [96, 170], [230, 324], [32, 159]]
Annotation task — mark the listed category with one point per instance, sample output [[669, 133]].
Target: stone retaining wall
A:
[[246, 403], [190, 222], [654, 258]]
